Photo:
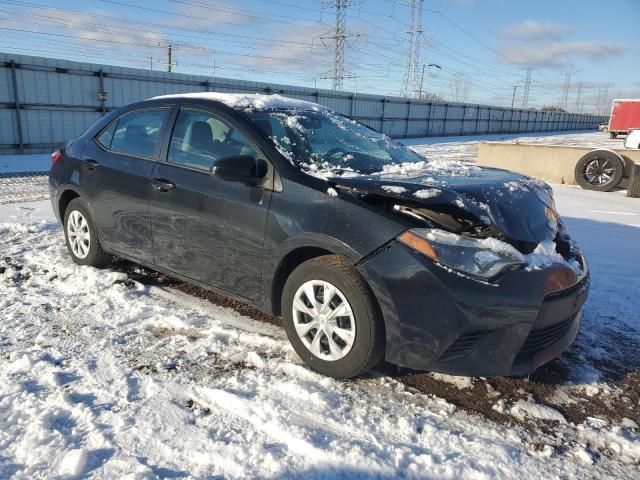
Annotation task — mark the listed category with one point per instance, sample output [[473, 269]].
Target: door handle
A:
[[162, 185], [90, 164]]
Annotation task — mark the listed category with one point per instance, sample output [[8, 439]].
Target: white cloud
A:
[[310, 54], [209, 16], [533, 30], [560, 54]]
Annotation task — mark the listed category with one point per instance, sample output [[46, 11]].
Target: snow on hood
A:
[[522, 208], [248, 101]]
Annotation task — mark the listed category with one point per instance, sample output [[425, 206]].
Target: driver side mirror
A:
[[239, 168]]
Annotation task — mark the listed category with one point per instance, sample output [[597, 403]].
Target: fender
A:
[[274, 259]]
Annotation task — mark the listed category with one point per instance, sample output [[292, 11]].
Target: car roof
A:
[[246, 101]]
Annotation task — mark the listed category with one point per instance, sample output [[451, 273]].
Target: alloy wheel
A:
[[324, 320], [598, 171], [79, 235]]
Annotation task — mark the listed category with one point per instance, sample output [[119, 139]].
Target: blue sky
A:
[[481, 46]]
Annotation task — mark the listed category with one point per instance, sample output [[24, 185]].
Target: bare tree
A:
[[459, 89], [431, 97]]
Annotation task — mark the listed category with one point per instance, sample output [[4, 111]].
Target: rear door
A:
[[205, 228], [115, 173]]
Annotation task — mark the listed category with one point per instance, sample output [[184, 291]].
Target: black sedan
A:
[[368, 250]]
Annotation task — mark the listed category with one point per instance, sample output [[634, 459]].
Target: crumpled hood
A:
[[521, 207]]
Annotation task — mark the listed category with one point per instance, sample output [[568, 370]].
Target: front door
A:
[[205, 228]]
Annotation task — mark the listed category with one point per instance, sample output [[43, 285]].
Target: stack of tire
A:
[[603, 170]]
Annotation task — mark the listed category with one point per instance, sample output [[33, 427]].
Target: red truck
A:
[[625, 115]]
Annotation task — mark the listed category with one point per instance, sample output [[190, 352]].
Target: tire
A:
[[633, 189], [600, 170], [87, 249], [364, 322], [628, 165], [613, 135]]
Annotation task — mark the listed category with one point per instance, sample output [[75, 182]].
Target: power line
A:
[[168, 12], [140, 22]]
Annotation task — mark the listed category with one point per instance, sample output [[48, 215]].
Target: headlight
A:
[[480, 257]]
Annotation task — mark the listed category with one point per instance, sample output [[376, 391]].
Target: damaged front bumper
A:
[[438, 319]]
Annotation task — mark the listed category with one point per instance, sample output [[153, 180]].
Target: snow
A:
[[332, 192], [524, 408], [459, 381], [393, 189], [244, 101], [465, 149], [427, 193], [544, 255], [105, 377]]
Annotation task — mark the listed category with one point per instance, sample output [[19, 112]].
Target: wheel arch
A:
[[294, 252], [65, 198], [288, 264]]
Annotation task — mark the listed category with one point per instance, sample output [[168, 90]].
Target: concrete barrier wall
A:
[[551, 163]]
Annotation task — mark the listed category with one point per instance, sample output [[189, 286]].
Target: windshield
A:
[[325, 141]]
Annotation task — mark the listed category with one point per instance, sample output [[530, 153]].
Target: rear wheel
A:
[[331, 318], [81, 236], [600, 170]]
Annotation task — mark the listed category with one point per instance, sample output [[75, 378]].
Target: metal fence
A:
[[44, 101]]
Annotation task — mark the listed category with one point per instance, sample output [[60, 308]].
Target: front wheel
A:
[[331, 318], [81, 236]]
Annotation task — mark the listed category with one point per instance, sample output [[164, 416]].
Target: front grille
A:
[[540, 339], [464, 345]]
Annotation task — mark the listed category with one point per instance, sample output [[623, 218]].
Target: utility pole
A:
[[169, 49], [527, 86], [565, 91], [603, 100], [411, 81], [513, 97], [421, 81], [579, 98], [564, 100]]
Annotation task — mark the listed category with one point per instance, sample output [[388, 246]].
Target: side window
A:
[[107, 135], [200, 138], [138, 133]]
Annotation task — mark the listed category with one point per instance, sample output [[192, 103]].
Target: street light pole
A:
[[422, 76]]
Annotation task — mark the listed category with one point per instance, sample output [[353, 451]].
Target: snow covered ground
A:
[[24, 177], [118, 374], [466, 148]]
